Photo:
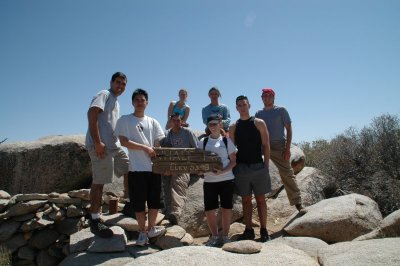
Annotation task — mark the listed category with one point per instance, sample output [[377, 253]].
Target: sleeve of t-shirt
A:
[[231, 146], [285, 116], [119, 127], [158, 133], [227, 117], [100, 99]]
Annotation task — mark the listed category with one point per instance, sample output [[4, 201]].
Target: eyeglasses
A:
[[212, 124], [241, 97], [176, 120]]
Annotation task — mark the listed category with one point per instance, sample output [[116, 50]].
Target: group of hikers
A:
[[245, 148]]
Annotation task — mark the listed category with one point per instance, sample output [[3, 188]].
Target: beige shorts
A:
[[116, 163]]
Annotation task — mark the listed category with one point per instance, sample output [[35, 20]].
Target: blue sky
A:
[[333, 64]]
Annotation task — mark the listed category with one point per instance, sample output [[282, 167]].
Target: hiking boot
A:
[[264, 237], [301, 209], [98, 228], [225, 240], [248, 234], [156, 231], [142, 239], [213, 241]]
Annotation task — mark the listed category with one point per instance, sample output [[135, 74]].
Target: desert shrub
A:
[[365, 161], [5, 256]]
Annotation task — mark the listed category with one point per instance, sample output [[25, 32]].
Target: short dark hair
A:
[[215, 89], [242, 97], [140, 92], [119, 75]]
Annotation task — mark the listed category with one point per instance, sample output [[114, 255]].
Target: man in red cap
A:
[[277, 119]]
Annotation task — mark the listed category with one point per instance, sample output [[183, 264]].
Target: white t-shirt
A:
[[218, 146], [144, 130]]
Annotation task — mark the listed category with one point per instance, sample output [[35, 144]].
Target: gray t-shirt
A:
[[184, 138], [106, 101], [276, 119]]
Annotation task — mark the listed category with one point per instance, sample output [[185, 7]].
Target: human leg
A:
[[262, 210], [286, 173]]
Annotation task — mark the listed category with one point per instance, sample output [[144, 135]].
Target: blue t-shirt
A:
[[276, 118], [220, 109]]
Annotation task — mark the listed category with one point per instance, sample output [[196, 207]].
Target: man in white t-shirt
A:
[[140, 133]]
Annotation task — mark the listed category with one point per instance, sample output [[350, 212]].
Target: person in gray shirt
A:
[[106, 155], [278, 120], [175, 186]]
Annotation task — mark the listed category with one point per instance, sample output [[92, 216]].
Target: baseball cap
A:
[[214, 118], [268, 91]]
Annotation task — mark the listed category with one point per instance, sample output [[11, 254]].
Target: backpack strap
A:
[[205, 142]]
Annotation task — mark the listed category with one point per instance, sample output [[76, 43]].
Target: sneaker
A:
[[264, 237], [301, 209], [98, 228], [248, 234], [213, 241], [142, 239], [156, 231], [225, 239]]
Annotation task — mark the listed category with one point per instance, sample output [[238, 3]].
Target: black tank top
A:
[[248, 142]]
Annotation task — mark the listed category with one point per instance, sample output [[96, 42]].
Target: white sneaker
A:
[[225, 239], [142, 239], [156, 231], [213, 241]]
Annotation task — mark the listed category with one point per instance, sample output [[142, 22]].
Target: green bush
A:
[[5, 256], [365, 161]]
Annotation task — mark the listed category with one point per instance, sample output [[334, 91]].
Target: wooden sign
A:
[[185, 160]]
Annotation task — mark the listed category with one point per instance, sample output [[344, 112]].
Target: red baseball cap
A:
[[268, 91]]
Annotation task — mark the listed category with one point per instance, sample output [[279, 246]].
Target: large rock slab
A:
[[309, 245], [86, 240], [337, 219], [58, 163], [116, 243], [388, 227], [103, 259], [383, 252], [314, 187], [201, 255]]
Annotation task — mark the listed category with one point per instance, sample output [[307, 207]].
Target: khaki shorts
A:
[[116, 163]]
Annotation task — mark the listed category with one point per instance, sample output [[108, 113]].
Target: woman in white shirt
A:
[[219, 184]]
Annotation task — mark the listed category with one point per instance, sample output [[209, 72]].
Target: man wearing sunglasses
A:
[[250, 136], [278, 120]]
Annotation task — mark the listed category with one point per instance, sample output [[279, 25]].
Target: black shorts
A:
[[144, 187], [223, 190]]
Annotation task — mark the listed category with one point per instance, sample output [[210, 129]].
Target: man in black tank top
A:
[[250, 136]]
